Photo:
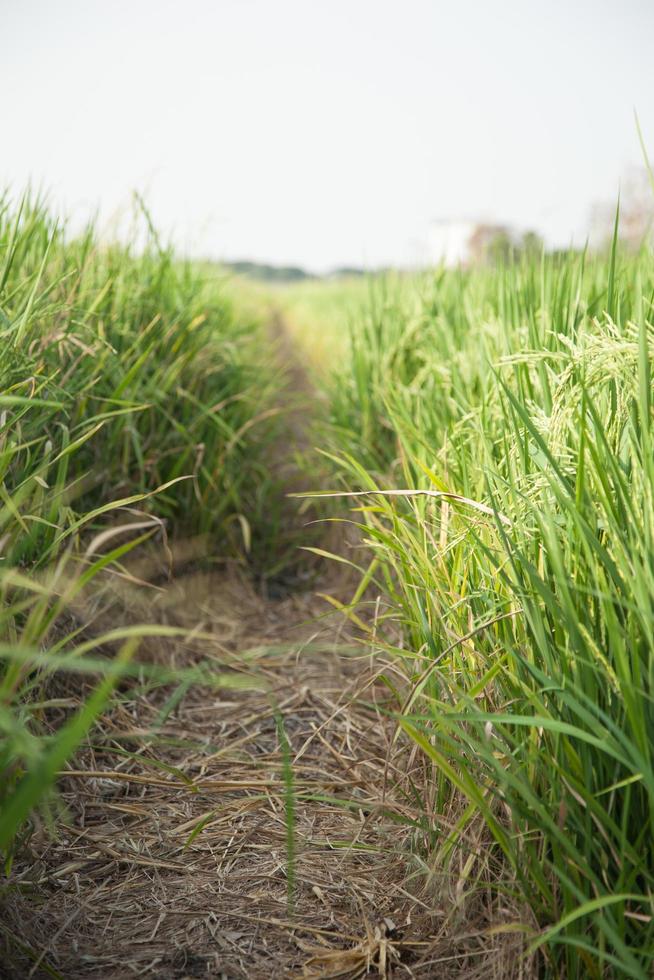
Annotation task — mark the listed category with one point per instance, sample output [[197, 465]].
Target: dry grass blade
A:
[[437, 494]]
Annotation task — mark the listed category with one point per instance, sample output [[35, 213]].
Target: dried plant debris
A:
[[189, 849]]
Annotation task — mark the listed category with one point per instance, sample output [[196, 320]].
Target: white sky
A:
[[325, 132]]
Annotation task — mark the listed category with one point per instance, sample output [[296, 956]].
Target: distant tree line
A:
[[291, 273], [269, 273]]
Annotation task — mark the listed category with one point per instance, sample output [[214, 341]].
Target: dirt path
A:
[[195, 854], [154, 876]]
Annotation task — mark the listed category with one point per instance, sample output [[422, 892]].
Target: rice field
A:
[[483, 439], [512, 409], [131, 395]]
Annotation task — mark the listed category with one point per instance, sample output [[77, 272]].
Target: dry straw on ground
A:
[[172, 860]]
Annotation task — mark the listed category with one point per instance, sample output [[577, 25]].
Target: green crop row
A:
[[514, 407], [134, 402]]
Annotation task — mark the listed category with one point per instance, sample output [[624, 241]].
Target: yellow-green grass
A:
[[318, 314]]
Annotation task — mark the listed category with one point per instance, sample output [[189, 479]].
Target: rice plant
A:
[[134, 402], [515, 404]]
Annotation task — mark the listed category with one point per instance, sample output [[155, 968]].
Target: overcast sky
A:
[[326, 132]]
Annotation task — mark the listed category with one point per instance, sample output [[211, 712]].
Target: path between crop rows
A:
[[126, 890], [173, 862]]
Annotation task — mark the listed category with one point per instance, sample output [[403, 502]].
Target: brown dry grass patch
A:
[[171, 858]]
